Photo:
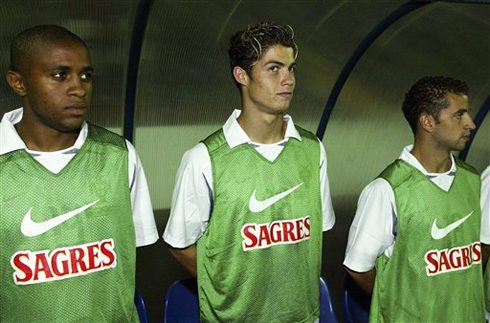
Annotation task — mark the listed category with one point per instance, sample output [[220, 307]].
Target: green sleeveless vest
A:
[[67, 240], [259, 259], [435, 271]]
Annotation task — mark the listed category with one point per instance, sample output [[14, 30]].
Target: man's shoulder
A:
[[306, 133], [196, 155], [105, 136], [462, 165], [215, 140], [397, 172]]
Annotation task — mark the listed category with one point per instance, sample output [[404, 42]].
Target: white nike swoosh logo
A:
[[30, 228], [258, 206], [441, 233]]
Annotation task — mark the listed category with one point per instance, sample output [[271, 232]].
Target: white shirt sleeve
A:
[[485, 206], [191, 199], [371, 232], [143, 218], [327, 208]]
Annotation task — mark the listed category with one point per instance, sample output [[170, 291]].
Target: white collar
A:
[[409, 158], [236, 136], [11, 141]]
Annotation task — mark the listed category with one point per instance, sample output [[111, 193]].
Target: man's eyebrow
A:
[[275, 63], [58, 68], [462, 110], [279, 63], [88, 69], [68, 68]]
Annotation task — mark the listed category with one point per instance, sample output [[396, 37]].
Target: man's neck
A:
[[433, 160], [41, 139], [263, 128]]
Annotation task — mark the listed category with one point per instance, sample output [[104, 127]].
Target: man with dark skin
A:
[[75, 202]]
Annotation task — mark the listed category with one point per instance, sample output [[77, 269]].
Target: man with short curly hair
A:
[[415, 240], [252, 200]]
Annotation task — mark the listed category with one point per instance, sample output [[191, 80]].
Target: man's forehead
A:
[[56, 50], [278, 53], [459, 97], [458, 101]]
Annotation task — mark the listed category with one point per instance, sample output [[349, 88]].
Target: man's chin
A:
[[75, 128]]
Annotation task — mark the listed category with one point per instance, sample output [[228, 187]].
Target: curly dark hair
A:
[[429, 95], [248, 46], [23, 46]]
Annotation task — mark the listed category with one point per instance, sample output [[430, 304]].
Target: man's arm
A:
[[187, 257], [364, 280], [143, 217], [371, 233], [485, 251], [191, 204], [327, 207], [485, 216]]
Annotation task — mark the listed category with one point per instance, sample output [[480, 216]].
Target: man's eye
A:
[[86, 76], [274, 68], [59, 75]]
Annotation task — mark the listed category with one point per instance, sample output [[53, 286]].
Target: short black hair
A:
[[248, 46], [23, 46], [429, 95]]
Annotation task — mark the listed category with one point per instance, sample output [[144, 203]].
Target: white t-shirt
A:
[[143, 218], [373, 229], [193, 192], [485, 206]]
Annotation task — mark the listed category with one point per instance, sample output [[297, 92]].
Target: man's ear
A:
[[427, 122], [15, 81], [240, 75]]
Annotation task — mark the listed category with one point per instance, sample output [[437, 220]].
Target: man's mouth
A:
[[285, 94], [77, 109]]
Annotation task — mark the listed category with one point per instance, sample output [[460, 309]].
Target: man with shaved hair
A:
[[252, 200], [415, 241], [75, 202]]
